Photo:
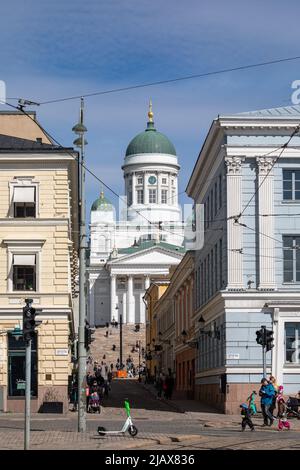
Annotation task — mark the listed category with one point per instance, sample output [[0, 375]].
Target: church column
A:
[[130, 301], [234, 231], [146, 198], [113, 300], [92, 302], [158, 188], [133, 189], [170, 190], [266, 224]]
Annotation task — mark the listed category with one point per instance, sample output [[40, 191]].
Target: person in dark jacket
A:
[[267, 392], [246, 413]]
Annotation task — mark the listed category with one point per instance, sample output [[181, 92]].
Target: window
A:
[[216, 267], [140, 196], [164, 180], [291, 185], [164, 196], [140, 180], [173, 197], [129, 198], [291, 257], [152, 196], [292, 342], [24, 200], [17, 366], [24, 277], [220, 191], [216, 198], [221, 262]]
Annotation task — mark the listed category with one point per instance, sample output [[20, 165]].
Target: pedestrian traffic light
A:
[[260, 337], [29, 322], [88, 339], [269, 340]]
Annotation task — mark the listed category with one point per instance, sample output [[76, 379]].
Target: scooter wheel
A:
[[132, 431], [101, 431]]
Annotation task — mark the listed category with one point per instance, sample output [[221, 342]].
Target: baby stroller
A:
[[292, 407], [94, 403]]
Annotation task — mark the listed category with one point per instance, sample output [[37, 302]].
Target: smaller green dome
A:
[[102, 204]]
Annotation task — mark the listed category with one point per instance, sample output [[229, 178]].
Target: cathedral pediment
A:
[[155, 255]]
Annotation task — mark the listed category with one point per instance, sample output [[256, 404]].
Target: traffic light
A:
[[88, 339], [29, 322], [269, 340], [260, 337]]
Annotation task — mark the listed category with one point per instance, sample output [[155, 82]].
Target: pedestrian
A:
[[266, 393], [111, 367], [170, 385], [282, 410], [159, 386], [246, 413], [272, 380], [251, 403]]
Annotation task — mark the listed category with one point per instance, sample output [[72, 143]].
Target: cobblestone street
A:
[[160, 427]]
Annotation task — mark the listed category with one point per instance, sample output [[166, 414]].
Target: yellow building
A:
[[38, 250], [152, 296]]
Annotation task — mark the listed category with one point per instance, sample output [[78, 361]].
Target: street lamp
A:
[[121, 336], [80, 142]]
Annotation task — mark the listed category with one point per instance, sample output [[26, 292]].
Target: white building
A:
[[126, 254]]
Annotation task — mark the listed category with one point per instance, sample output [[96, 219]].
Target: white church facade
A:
[[127, 254]]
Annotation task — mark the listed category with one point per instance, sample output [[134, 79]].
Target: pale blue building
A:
[[248, 272]]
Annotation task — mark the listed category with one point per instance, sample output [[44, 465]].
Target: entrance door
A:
[[17, 367]]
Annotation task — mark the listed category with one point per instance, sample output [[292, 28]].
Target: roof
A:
[[149, 244], [284, 112], [150, 141], [102, 204], [8, 142]]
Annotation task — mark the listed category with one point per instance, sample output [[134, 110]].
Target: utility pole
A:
[[264, 352], [80, 130], [29, 324], [27, 395], [121, 341]]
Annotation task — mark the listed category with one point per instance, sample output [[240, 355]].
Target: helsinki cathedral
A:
[[147, 240]]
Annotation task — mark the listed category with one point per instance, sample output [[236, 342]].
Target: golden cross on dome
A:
[[150, 113]]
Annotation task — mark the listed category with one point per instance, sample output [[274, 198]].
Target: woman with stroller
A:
[[94, 398]]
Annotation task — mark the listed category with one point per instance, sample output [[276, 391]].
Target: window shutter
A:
[[24, 260], [24, 194]]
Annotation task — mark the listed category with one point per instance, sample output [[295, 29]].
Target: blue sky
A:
[[60, 48]]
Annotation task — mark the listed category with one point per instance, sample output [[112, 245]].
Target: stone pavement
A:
[[161, 427]]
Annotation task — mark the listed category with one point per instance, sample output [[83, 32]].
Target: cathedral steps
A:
[[102, 345]]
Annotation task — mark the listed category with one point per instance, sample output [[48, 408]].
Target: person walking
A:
[[266, 393], [170, 385], [159, 386], [246, 413], [272, 380], [283, 422]]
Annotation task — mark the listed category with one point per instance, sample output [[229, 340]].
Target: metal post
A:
[[264, 351], [27, 396], [82, 292], [139, 360], [121, 341]]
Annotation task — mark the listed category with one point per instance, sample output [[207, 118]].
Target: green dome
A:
[[102, 204], [150, 141]]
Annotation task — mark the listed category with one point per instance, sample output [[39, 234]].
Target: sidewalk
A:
[[208, 416]]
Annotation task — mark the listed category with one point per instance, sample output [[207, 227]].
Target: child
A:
[[282, 410], [251, 403], [246, 413]]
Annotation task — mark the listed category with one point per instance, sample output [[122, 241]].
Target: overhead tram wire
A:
[[173, 80], [159, 226]]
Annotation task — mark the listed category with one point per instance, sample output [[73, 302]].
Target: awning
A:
[[24, 194], [24, 260]]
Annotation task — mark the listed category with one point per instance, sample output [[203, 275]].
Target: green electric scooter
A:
[[128, 425]]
